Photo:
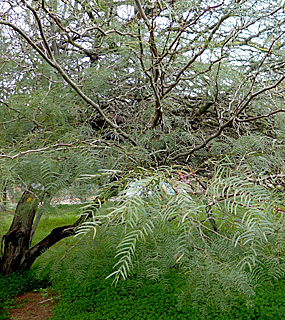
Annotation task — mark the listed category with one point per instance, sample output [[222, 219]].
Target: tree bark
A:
[[16, 254], [16, 240]]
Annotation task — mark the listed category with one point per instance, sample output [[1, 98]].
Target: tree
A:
[[121, 84]]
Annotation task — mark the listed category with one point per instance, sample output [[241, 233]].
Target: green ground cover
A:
[[75, 269], [158, 300]]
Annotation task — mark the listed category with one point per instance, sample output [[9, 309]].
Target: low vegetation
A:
[[77, 268]]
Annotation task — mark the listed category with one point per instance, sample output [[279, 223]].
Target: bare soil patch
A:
[[32, 306]]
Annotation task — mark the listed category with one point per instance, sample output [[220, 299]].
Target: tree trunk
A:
[[16, 256], [16, 240]]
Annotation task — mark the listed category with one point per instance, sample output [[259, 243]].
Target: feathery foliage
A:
[[225, 234]]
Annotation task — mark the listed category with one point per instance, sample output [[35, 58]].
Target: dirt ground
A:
[[32, 306]]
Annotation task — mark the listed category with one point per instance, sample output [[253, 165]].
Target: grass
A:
[[6, 218]]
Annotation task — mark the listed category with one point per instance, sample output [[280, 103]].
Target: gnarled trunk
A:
[[16, 254], [16, 240]]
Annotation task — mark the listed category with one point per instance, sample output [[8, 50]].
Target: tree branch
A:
[[228, 123], [55, 236], [260, 117], [58, 147], [198, 54], [72, 84], [142, 13]]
